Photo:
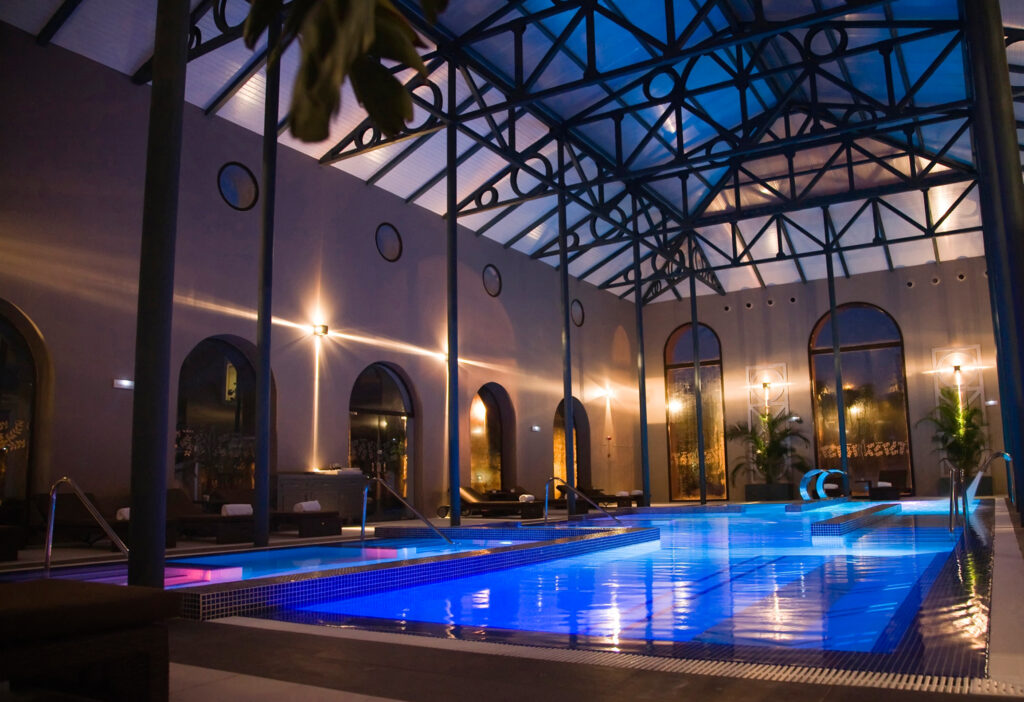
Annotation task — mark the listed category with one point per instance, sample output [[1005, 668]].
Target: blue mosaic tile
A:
[[249, 597]]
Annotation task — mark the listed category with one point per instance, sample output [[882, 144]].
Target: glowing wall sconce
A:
[[320, 330], [124, 384]]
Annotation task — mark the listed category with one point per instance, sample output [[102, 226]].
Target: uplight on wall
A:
[[320, 330], [124, 384]]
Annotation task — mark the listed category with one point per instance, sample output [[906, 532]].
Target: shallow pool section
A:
[[903, 595], [250, 565], [510, 547]]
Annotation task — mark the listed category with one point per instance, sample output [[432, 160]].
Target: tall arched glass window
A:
[[17, 403], [380, 415], [874, 396], [681, 410], [492, 433], [581, 443]]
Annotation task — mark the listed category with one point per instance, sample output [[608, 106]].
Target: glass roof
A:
[[734, 138]]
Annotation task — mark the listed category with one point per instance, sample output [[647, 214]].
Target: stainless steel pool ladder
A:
[[366, 491], [48, 548], [547, 491]]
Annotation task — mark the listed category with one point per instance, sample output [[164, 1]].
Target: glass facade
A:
[[485, 441], [378, 438], [681, 419], [874, 396], [17, 398]]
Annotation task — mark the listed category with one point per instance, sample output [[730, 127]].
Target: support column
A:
[[641, 370], [563, 281], [264, 315], [452, 231], [844, 463], [701, 463], [150, 407], [1002, 207]]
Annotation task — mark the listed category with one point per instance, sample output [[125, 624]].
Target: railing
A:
[[547, 490], [956, 490], [103, 524], [366, 493]]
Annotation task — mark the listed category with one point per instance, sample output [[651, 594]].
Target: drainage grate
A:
[[753, 671]]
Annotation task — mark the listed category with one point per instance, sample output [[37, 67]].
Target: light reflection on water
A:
[[754, 579]]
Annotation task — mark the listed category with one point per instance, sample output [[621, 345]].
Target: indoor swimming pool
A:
[[904, 595]]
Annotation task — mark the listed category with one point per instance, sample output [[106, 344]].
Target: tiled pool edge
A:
[[230, 599], [862, 518]]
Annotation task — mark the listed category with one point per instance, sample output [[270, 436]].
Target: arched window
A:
[[215, 442], [874, 395], [381, 415], [581, 445], [681, 410], [491, 440], [17, 409]]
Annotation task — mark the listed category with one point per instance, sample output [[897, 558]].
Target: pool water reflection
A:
[[752, 586]]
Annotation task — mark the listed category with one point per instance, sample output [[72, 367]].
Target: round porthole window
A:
[[576, 313], [389, 242], [237, 186], [492, 280]]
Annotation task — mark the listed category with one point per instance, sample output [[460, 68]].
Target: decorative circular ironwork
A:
[[826, 42], [238, 186], [492, 280], [389, 242], [576, 312]]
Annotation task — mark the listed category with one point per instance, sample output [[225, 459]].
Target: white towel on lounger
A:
[[309, 506], [236, 510]]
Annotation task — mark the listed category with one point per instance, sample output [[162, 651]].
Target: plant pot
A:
[[768, 492]]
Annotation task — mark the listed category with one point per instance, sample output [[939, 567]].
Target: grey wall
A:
[[70, 216], [950, 313]]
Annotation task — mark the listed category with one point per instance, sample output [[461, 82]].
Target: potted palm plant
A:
[[960, 435], [770, 454]]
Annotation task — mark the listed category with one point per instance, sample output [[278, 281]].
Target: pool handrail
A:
[[547, 490], [103, 524], [370, 479]]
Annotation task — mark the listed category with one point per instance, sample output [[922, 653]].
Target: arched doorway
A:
[[874, 395], [492, 434], [215, 444], [381, 413], [681, 411], [581, 443], [21, 384]]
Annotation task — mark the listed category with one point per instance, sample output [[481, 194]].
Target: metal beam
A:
[[56, 21]]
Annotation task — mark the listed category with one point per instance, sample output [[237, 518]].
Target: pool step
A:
[[862, 518], [808, 506]]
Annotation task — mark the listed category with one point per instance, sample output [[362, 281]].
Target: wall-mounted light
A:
[[319, 330], [991, 403], [124, 384], [535, 428]]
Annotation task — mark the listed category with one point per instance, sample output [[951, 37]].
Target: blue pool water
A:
[[740, 585], [249, 565]]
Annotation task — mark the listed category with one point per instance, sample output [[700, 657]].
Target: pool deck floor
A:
[[224, 660]]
